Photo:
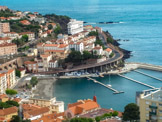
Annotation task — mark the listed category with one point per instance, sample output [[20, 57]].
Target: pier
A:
[[114, 90], [144, 84], [148, 75]]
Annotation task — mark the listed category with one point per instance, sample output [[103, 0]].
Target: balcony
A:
[[153, 107], [152, 113]]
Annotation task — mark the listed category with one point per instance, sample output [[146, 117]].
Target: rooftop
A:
[[7, 111]]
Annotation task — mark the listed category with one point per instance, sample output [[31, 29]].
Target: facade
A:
[[98, 50], [8, 49], [5, 40], [7, 113], [151, 106], [31, 66], [45, 60], [78, 46], [75, 26], [52, 104], [107, 52], [4, 27], [7, 79], [12, 35]]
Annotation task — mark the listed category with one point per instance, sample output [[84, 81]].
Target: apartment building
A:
[[151, 106], [31, 66], [7, 79], [75, 26], [52, 104], [8, 48], [4, 27]]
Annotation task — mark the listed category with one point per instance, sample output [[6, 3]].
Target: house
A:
[[78, 46], [4, 40], [107, 52], [51, 103], [46, 59], [32, 52], [31, 35], [40, 19], [54, 117], [11, 35], [31, 66], [43, 34], [81, 107], [98, 50], [3, 98], [3, 8], [22, 71], [8, 49], [58, 54], [53, 64], [36, 114], [40, 47], [31, 17], [3, 18], [25, 22], [75, 26], [7, 113]]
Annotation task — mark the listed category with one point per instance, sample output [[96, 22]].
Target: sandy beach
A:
[[44, 88]]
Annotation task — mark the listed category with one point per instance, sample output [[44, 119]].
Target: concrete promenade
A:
[[144, 84], [114, 90], [148, 75]]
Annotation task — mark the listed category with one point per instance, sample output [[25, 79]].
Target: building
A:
[[75, 26], [5, 40], [8, 49], [31, 66], [78, 46], [81, 107], [7, 113], [45, 60], [98, 50], [3, 98], [40, 20], [4, 27], [25, 22], [3, 8], [7, 79], [54, 117], [151, 106], [31, 35], [22, 71], [107, 52], [52, 104], [32, 52], [36, 114]]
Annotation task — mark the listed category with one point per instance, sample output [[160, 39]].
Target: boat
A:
[[109, 85]]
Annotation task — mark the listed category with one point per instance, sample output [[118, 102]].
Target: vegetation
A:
[[131, 112], [6, 13], [34, 81], [8, 104], [93, 33], [111, 55], [11, 92], [18, 73], [50, 26], [57, 30], [16, 118], [106, 115], [23, 49], [81, 120], [61, 20], [110, 40], [99, 42], [21, 41], [77, 58]]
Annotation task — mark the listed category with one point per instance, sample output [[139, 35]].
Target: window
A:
[[147, 109], [147, 102]]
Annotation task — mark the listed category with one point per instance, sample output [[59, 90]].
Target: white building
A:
[[98, 50], [77, 46], [75, 26], [107, 52]]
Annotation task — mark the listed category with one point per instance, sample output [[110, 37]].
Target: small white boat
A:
[[109, 85]]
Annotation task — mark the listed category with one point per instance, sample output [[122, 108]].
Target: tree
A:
[[115, 113], [11, 92], [18, 73], [57, 30], [4, 105], [93, 33], [50, 26], [34, 81], [74, 57], [86, 55], [25, 38], [12, 103], [81, 120], [131, 112], [16, 118]]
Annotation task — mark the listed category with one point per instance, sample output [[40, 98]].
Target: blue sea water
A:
[[141, 24]]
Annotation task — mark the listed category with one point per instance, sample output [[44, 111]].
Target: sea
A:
[[137, 21]]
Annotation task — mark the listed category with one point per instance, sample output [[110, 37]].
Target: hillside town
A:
[[33, 46]]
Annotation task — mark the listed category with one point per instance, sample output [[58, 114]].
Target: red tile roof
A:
[[7, 111]]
